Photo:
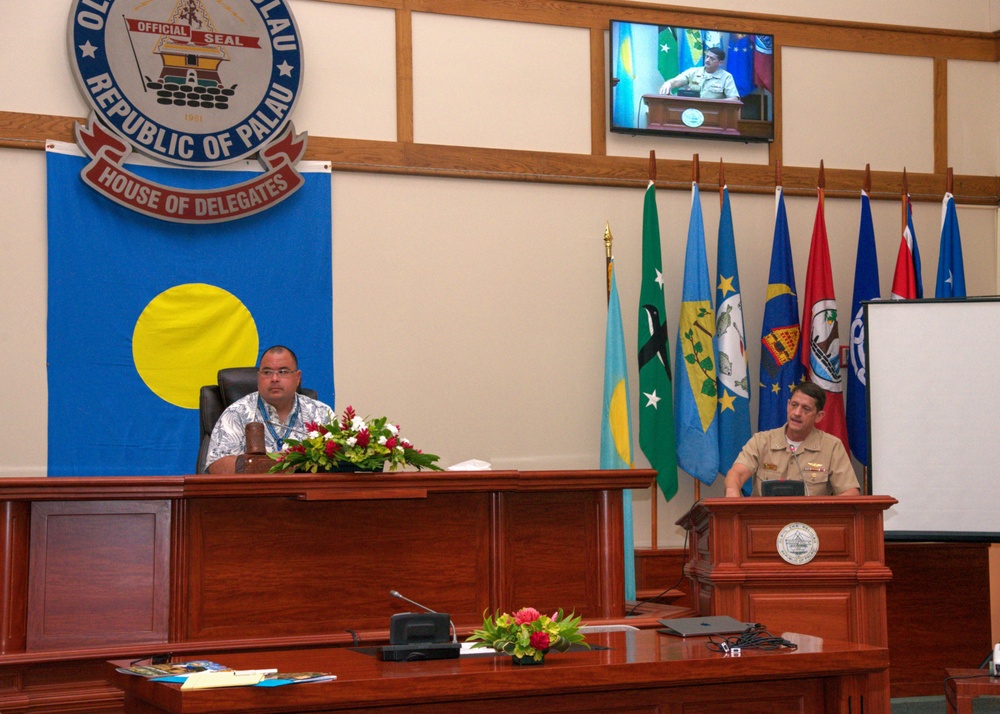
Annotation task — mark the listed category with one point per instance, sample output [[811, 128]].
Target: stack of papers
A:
[[204, 674]]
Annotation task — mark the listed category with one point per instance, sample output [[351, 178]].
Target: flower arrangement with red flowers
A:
[[528, 633], [362, 444]]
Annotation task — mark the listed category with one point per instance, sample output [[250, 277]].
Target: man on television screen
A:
[[797, 451], [710, 81]]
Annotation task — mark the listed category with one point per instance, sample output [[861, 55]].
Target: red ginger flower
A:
[[363, 438], [526, 615], [539, 640], [331, 448]]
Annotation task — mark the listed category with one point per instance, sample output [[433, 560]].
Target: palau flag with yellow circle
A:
[[143, 312]]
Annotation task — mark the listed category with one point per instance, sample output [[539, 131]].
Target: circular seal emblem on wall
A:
[[797, 543], [192, 82]]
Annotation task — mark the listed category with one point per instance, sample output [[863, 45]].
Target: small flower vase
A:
[[528, 659]]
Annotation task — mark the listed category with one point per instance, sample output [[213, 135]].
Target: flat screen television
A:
[[684, 81]]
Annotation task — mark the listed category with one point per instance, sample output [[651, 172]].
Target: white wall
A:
[[494, 291]]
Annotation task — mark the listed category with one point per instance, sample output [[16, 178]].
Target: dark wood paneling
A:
[[98, 573], [564, 566], [15, 530], [270, 567], [938, 605]]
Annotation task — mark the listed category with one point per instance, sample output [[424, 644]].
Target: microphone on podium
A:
[[420, 636]]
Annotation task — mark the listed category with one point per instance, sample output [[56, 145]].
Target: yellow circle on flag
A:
[[618, 420], [185, 335]]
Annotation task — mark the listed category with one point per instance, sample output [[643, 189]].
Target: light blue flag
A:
[[865, 288], [730, 335], [624, 87], [951, 269], [780, 366], [616, 420], [695, 389]]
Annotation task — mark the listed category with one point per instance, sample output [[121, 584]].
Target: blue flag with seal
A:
[[733, 371], [951, 268], [143, 312], [695, 393], [616, 419], [865, 288], [780, 367]]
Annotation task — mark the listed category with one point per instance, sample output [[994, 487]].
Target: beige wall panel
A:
[[973, 122], [34, 60], [350, 76], [23, 301], [496, 84], [977, 15], [850, 109]]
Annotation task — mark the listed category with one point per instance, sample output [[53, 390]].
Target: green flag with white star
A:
[[668, 57], [656, 403]]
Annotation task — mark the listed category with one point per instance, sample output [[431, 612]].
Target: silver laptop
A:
[[703, 626]]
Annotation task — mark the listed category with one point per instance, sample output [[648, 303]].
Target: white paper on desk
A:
[[227, 678], [467, 649], [471, 465]]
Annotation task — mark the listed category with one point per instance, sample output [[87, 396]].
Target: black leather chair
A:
[[234, 383]]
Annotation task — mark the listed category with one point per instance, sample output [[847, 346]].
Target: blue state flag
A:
[[951, 268], [866, 287], [624, 87], [142, 313], [695, 392], [917, 270], [780, 367], [730, 334], [739, 62], [616, 420]]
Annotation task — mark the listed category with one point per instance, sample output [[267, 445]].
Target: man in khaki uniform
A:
[[797, 451]]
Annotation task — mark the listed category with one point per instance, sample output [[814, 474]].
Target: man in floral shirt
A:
[[283, 412]]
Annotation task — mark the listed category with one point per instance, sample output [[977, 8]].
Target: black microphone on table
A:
[[451, 625], [420, 635]]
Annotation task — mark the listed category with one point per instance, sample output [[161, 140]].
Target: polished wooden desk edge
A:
[[298, 485], [366, 681]]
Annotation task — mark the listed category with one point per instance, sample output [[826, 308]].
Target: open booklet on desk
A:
[[204, 674]]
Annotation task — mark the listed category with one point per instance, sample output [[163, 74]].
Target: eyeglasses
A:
[[267, 373]]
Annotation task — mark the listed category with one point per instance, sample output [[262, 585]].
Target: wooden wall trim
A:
[[30, 131], [940, 116]]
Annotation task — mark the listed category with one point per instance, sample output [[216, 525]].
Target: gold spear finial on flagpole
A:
[[608, 238]]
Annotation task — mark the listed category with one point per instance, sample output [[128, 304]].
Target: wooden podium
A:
[[693, 114], [735, 567]]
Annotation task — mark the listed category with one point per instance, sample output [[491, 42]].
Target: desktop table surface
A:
[[619, 662]]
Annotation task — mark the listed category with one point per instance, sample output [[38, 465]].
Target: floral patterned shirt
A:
[[229, 434]]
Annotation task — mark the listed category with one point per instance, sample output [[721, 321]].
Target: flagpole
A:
[[722, 182], [868, 190], [653, 526], [950, 182], [906, 201], [695, 172]]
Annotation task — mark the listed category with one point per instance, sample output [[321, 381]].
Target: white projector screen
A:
[[933, 396]]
